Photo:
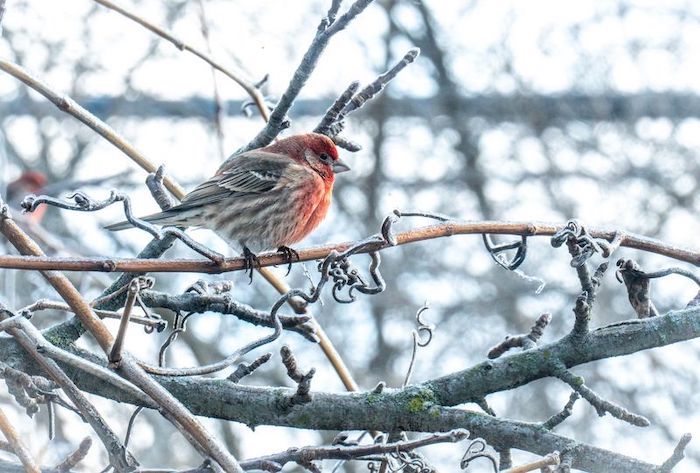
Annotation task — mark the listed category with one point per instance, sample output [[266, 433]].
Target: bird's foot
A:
[[291, 254], [251, 262]]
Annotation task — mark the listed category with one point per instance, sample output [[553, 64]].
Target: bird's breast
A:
[[311, 209]]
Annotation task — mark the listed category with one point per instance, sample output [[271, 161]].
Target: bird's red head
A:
[[312, 149], [29, 182], [33, 180], [320, 144]]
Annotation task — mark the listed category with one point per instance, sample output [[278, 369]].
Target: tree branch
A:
[[171, 408], [431, 232], [18, 446], [327, 28], [68, 105], [182, 46], [422, 407]]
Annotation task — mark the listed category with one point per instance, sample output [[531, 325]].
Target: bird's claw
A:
[[251, 263], [291, 254]]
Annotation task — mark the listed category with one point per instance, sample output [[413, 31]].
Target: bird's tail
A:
[[174, 216]]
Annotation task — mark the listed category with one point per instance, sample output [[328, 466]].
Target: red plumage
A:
[[30, 182], [264, 198]]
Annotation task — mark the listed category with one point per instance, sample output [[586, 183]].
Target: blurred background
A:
[[531, 111]]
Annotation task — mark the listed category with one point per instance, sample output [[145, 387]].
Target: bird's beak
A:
[[340, 166]]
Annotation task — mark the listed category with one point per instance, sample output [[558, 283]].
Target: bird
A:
[[30, 182], [262, 199]]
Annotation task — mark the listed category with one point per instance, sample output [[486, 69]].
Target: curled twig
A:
[[496, 252], [576, 235], [422, 336], [638, 287], [85, 203], [478, 448]]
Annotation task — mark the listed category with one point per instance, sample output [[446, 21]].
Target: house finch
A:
[[265, 198], [30, 182]]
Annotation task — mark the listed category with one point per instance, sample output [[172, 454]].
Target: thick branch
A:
[[416, 408]]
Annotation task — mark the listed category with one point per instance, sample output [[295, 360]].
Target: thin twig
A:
[[244, 370], [75, 457], [115, 354], [182, 46], [677, 456], [190, 302], [43, 304], [18, 446], [601, 405], [565, 413], [325, 32], [340, 452], [332, 121], [550, 459], [525, 341]]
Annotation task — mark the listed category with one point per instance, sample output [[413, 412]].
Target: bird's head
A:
[[315, 150], [29, 182]]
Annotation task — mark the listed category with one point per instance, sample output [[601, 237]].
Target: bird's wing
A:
[[253, 172]]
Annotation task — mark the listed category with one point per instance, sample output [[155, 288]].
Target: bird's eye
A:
[[325, 157]]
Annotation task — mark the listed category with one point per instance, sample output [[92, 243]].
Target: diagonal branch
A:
[[172, 409], [68, 105], [249, 87], [18, 446], [118, 455], [326, 29]]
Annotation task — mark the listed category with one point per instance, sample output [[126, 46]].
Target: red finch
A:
[[265, 198], [30, 182]]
